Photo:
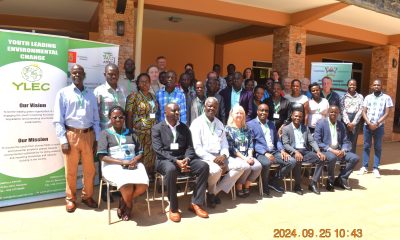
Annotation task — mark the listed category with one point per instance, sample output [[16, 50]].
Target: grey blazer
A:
[[288, 139]]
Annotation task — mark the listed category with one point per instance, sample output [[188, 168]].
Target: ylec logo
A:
[[32, 73]]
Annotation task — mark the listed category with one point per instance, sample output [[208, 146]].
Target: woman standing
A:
[[141, 109], [258, 94], [241, 146], [155, 84], [351, 106], [318, 106], [297, 100], [120, 152]]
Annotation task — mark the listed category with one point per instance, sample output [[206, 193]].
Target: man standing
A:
[[222, 81], [197, 105], [332, 97], [76, 118], [237, 95], [376, 108], [161, 62], [299, 143], [190, 94], [211, 145], [170, 94], [269, 149], [109, 94], [172, 142], [212, 91], [305, 82], [127, 81], [332, 139]]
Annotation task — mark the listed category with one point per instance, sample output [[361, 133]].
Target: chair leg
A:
[[148, 201], [162, 194], [108, 203], [155, 187], [100, 188], [260, 186]]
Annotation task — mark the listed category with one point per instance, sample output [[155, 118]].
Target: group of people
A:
[[226, 131]]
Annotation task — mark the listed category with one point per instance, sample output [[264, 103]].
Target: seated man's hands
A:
[[298, 156], [285, 156], [183, 165]]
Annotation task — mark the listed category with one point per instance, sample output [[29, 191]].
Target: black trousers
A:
[[170, 171]]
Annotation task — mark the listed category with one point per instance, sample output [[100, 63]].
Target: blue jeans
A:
[[378, 136]]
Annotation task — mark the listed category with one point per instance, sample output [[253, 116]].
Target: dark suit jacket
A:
[[284, 111], [162, 138], [288, 139], [322, 135], [260, 144], [246, 101]]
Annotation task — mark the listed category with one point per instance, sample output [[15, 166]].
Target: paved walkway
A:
[[373, 206]]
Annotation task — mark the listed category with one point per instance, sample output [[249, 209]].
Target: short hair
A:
[[111, 65], [247, 81], [216, 65], [209, 99], [350, 81], [326, 77], [257, 87], [189, 64], [182, 75], [237, 75], [160, 57], [295, 80], [141, 75], [236, 108], [208, 74], [334, 106], [314, 84], [114, 108]]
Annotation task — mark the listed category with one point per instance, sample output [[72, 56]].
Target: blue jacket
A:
[[260, 144], [322, 135]]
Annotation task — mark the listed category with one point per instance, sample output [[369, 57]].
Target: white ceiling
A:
[[190, 23], [77, 10]]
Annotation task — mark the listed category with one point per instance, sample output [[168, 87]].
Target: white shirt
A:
[[127, 85], [317, 111], [173, 129], [267, 134], [209, 138], [300, 99], [333, 131], [298, 137]]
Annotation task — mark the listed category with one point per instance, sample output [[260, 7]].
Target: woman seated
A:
[[120, 152], [241, 146]]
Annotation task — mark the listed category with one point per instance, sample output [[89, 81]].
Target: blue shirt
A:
[[176, 96], [75, 109], [235, 97]]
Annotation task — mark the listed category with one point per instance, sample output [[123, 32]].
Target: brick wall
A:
[[284, 57], [381, 68], [108, 28]]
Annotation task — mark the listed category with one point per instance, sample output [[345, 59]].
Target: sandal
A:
[[121, 208], [126, 215]]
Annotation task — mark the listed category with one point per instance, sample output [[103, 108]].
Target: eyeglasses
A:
[[118, 117]]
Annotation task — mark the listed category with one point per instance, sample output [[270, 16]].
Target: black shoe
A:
[[217, 200], [246, 192], [240, 193], [211, 200], [342, 183], [104, 195], [266, 193], [313, 188], [297, 189], [329, 187], [275, 186]]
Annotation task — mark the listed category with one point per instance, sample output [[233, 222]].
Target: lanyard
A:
[[276, 106], [332, 127], [115, 97], [266, 129], [210, 125], [81, 98]]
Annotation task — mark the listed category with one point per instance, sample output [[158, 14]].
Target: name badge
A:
[[81, 112], [242, 148], [174, 146], [152, 115], [276, 115]]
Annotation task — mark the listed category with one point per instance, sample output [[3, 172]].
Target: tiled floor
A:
[[373, 206]]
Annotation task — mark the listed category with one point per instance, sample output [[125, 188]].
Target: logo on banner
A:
[[330, 71], [72, 57], [31, 74], [108, 57]]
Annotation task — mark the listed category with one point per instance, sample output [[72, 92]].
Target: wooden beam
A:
[[335, 47], [43, 23], [243, 34], [310, 15], [222, 10], [394, 40], [346, 33]]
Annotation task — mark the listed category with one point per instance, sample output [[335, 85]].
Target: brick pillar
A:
[[284, 56], [382, 69], [108, 28]]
